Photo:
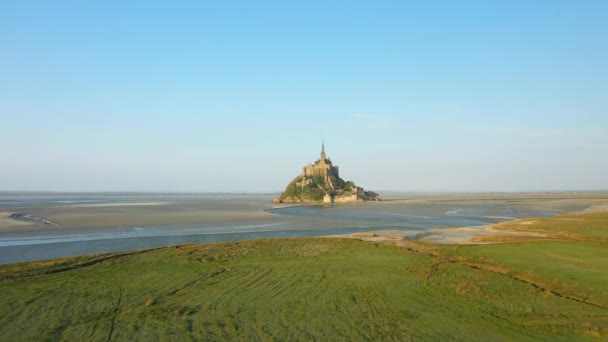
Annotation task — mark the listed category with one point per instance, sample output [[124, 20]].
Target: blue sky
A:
[[236, 96]]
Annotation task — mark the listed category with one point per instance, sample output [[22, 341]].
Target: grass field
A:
[[576, 269], [587, 227], [325, 289]]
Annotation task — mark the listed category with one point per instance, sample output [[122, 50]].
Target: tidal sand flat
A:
[[552, 288], [60, 225]]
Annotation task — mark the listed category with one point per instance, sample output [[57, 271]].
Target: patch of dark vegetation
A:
[[313, 192], [27, 217]]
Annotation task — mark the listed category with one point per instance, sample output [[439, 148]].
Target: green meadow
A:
[[551, 288]]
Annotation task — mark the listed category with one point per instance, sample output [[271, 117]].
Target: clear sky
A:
[[236, 96]]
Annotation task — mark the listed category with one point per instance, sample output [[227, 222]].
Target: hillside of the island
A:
[[312, 189], [321, 182]]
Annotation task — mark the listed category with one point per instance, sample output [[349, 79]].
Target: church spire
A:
[[323, 149]]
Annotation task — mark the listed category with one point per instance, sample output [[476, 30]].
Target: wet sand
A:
[[462, 235], [179, 211], [147, 210], [8, 224], [92, 223], [472, 235]]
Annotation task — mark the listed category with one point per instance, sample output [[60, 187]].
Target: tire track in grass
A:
[[93, 330], [377, 316], [195, 280], [281, 286], [242, 280], [115, 314]]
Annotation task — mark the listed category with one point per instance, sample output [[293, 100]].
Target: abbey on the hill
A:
[[323, 168], [321, 182]]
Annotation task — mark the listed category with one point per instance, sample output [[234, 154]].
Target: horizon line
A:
[[171, 192]]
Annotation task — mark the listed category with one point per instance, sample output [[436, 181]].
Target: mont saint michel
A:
[[321, 182], [164, 175]]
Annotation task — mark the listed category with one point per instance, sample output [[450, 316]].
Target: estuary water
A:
[[87, 224]]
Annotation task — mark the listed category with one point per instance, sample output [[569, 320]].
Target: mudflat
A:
[[83, 211], [95, 211], [45, 226]]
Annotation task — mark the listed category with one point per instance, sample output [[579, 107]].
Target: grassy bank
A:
[[304, 289]]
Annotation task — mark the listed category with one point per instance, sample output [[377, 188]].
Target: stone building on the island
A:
[[322, 168]]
